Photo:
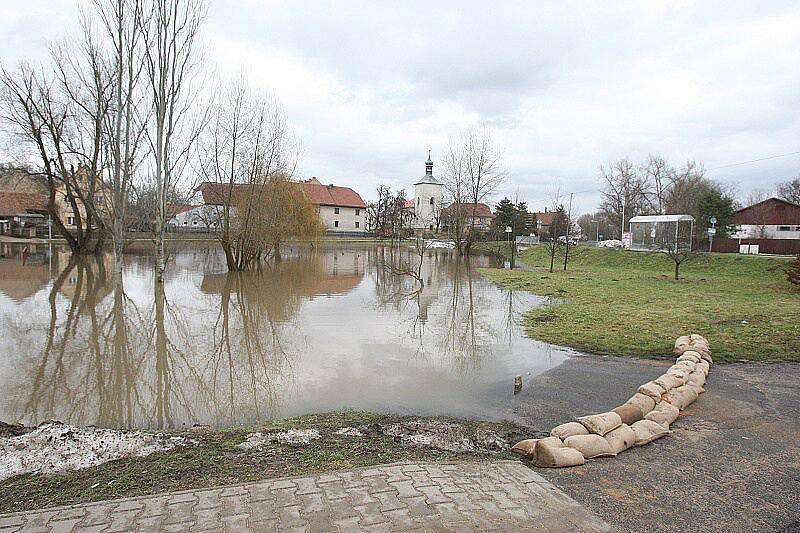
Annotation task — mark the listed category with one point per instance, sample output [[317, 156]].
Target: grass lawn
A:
[[215, 459], [627, 303]]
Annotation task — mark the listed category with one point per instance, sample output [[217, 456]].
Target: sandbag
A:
[[681, 397], [703, 366], [681, 345], [590, 446], [664, 414], [648, 431], [679, 371], [552, 453], [697, 388], [706, 356], [696, 378], [690, 355], [652, 389], [643, 402], [602, 423], [525, 447], [569, 429], [621, 438], [629, 413], [668, 382], [697, 339], [689, 365]]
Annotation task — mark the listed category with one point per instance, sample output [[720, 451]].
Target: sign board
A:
[[626, 239], [712, 231], [508, 229]]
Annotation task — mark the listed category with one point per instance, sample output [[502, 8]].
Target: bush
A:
[[793, 271]]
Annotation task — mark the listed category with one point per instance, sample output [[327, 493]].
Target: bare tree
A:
[[658, 179], [790, 190], [125, 121], [625, 191], [169, 32], [246, 168], [473, 172]]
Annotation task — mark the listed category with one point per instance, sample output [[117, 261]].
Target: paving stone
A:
[[498, 496]]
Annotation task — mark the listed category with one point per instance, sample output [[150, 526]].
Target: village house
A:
[[478, 214], [341, 209], [771, 226]]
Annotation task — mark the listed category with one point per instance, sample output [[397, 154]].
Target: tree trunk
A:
[[677, 266]]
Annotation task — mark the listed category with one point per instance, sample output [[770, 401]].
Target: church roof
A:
[[428, 178]]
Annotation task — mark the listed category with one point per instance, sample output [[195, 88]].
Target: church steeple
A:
[[429, 165]]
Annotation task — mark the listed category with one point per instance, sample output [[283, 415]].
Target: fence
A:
[[765, 246]]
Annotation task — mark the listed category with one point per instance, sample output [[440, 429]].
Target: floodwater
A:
[[333, 327]]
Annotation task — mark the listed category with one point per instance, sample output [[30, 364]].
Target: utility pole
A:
[[569, 227]]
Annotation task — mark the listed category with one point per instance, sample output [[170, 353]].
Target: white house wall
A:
[[351, 219]]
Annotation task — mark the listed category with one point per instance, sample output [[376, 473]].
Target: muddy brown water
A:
[[327, 328]]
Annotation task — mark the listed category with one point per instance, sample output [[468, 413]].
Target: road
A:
[[732, 462]]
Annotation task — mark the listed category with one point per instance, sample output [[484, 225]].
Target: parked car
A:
[[563, 240], [611, 243]]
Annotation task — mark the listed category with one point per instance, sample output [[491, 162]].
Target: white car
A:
[[611, 243]]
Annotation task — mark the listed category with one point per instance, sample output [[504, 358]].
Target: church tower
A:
[[427, 199]]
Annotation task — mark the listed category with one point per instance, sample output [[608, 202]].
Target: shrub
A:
[[793, 271]]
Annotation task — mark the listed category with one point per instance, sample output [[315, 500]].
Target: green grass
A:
[[216, 460], [627, 303]]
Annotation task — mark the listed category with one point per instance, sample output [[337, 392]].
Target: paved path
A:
[[503, 495]]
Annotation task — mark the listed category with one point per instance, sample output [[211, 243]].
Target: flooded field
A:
[[331, 327]]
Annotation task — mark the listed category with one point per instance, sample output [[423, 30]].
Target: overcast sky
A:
[[369, 87]]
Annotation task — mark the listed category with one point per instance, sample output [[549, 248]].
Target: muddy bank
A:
[[203, 456]]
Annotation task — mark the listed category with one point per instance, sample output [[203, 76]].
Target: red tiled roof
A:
[[409, 204], [216, 193], [477, 210], [19, 203], [332, 195]]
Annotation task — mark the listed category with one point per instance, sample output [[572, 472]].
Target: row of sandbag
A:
[[645, 417]]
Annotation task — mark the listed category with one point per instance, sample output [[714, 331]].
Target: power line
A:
[[754, 161]]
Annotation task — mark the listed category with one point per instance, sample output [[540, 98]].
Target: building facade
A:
[[774, 218], [341, 209]]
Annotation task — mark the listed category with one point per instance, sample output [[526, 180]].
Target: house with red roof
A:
[[341, 209], [23, 214], [480, 214]]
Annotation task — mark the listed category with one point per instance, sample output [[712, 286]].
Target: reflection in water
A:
[[323, 329]]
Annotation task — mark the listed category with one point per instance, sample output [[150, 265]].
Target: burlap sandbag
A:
[[668, 381], [665, 414], [590, 446], [681, 345], [568, 430], [679, 371], [681, 397], [706, 356], [552, 453], [689, 355], [696, 378], [697, 339], [525, 447], [703, 366], [602, 423], [648, 431], [652, 389], [621, 438], [629, 413], [687, 364], [643, 402]]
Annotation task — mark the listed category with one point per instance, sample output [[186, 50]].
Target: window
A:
[[431, 200], [335, 223], [70, 221], [356, 224], [335, 210], [358, 212], [784, 228]]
